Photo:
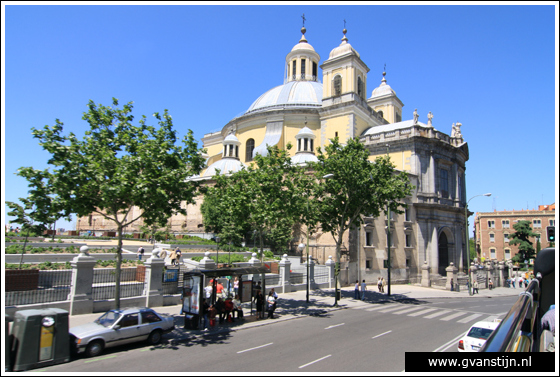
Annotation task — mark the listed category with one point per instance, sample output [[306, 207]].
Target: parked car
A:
[[117, 327], [476, 336]]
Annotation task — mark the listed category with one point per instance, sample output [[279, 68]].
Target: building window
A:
[[294, 70], [368, 264], [551, 222], [536, 223], [443, 183], [491, 237], [380, 113], [398, 117], [249, 147], [407, 240], [491, 224], [407, 214], [369, 238], [538, 238], [337, 86], [303, 69], [314, 70], [506, 237], [505, 224], [360, 87], [492, 253], [507, 254]]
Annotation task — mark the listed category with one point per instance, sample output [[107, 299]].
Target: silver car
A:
[[117, 327]]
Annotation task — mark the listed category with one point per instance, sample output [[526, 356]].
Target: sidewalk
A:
[[293, 305]]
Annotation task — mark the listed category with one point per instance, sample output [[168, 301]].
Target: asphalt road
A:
[[368, 338]]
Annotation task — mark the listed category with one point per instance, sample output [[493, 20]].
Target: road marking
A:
[[254, 348], [437, 314], [491, 318], [377, 336], [396, 307], [101, 358], [448, 344], [405, 310], [421, 312], [313, 362], [330, 327], [454, 315], [469, 318], [383, 307]]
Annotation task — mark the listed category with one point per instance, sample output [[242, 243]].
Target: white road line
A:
[[396, 307], [437, 314], [469, 318], [490, 318], [454, 315], [250, 349], [383, 307], [421, 312], [448, 344], [313, 362], [377, 336], [330, 327], [405, 310]]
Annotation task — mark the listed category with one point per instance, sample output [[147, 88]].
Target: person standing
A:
[[490, 284], [363, 290], [140, 252], [475, 287], [177, 256], [379, 284], [235, 286], [383, 285], [259, 300], [513, 282], [172, 257], [208, 292], [271, 301], [357, 290]]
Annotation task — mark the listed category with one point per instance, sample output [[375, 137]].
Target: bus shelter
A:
[[195, 281]]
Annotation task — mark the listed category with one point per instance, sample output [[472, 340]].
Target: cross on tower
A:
[[345, 24], [303, 17]]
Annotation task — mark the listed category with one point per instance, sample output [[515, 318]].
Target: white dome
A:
[[231, 139], [303, 158], [343, 49], [383, 90], [291, 94], [305, 132], [225, 165]]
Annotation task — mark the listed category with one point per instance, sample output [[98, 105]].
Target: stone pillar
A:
[[254, 262], [489, 273], [284, 271], [330, 264], [501, 275], [451, 277], [311, 273], [207, 263], [81, 297], [154, 277], [426, 275]]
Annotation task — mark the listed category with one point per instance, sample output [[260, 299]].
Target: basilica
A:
[[319, 101]]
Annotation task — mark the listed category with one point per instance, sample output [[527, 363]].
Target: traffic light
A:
[[550, 233]]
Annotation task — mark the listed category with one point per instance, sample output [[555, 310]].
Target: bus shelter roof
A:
[[234, 271]]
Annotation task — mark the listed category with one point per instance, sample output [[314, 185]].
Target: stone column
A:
[[451, 276], [426, 275], [330, 264], [254, 262], [81, 297], [473, 274], [207, 263], [154, 280], [489, 271], [284, 271], [501, 276]]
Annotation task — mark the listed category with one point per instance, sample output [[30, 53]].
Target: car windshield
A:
[[109, 318], [480, 333]]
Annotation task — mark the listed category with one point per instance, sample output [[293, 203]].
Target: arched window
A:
[[249, 147], [337, 86], [380, 113]]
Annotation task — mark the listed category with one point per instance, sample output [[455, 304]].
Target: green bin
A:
[[40, 338]]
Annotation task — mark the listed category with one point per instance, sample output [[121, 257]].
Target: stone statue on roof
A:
[[456, 130], [415, 115], [430, 116]]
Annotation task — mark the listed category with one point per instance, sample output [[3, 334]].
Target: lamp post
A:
[[336, 263], [217, 248], [94, 227], [467, 246]]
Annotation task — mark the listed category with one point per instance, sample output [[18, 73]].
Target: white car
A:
[[477, 335], [117, 327]]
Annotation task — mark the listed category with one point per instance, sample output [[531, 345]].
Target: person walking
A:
[[383, 284], [379, 284], [177, 256], [475, 287], [357, 290], [204, 312], [513, 282], [140, 252], [490, 284], [172, 257], [363, 290], [271, 301], [235, 286]]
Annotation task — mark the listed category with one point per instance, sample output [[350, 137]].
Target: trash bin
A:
[[191, 321], [40, 338], [338, 294], [457, 287], [8, 343]]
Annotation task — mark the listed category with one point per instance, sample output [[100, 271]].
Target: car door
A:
[[150, 321], [127, 329]]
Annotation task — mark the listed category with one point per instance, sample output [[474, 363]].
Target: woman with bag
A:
[[271, 301]]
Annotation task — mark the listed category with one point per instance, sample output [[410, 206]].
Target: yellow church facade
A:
[[319, 101]]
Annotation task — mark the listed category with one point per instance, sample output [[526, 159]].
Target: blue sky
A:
[[491, 68]]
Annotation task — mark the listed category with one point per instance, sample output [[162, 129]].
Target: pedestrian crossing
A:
[[445, 315]]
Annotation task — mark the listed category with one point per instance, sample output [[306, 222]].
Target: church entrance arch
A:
[[443, 254]]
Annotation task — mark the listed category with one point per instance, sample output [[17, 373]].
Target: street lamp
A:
[[217, 247], [336, 263], [467, 246]]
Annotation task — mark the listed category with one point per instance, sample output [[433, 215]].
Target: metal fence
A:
[[24, 287], [173, 279], [132, 283], [321, 274]]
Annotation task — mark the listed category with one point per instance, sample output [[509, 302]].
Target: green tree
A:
[[520, 237], [118, 166], [357, 188]]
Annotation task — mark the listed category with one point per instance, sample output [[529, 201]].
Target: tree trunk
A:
[[118, 269], [23, 251]]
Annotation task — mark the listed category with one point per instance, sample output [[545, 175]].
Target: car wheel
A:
[[155, 337], [94, 348]]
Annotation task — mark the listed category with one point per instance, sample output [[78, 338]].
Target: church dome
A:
[[292, 94], [225, 165], [383, 90], [344, 48]]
